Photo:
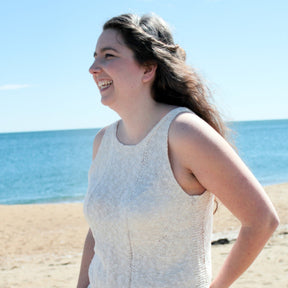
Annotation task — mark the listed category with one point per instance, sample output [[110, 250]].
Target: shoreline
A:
[[41, 244], [77, 201]]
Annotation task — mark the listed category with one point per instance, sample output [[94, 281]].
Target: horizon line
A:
[[93, 128]]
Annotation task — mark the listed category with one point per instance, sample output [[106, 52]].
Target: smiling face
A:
[[117, 74]]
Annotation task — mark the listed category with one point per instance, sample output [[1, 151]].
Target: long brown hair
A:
[[176, 83]]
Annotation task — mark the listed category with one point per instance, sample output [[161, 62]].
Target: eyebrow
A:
[[102, 50]]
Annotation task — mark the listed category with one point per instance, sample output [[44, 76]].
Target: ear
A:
[[149, 72]]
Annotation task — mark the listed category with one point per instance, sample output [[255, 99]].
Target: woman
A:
[[156, 171]]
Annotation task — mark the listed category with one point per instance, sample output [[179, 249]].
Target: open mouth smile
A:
[[104, 84]]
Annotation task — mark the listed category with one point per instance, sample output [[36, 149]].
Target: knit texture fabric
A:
[[148, 232]]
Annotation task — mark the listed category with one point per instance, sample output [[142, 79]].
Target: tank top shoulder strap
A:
[[107, 140], [169, 117]]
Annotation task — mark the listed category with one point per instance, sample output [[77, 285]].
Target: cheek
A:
[[134, 73], [125, 73]]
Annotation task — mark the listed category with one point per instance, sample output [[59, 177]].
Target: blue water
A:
[[45, 167], [52, 166], [263, 145]]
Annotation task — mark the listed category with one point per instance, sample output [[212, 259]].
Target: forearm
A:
[[88, 253], [248, 245]]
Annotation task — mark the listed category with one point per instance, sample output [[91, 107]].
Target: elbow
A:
[[272, 222], [265, 223], [275, 221]]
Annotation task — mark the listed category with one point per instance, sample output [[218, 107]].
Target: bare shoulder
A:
[[97, 141], [189, 129], [201, 150]]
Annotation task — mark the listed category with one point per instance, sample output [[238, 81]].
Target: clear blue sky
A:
[[239, 46]]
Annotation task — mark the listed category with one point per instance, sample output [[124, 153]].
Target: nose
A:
[[95, 68]]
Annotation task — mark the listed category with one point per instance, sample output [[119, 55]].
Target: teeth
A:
[[104, 83]]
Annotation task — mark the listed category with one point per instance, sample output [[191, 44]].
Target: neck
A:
[[136, 122]]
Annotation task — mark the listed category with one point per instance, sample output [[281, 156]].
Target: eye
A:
[[107, 55]]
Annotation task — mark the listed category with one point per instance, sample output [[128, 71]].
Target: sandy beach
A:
[[41, 245]]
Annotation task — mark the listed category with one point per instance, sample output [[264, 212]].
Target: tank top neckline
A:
[[149, 134]]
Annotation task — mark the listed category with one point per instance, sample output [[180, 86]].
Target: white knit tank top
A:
[[148, 232]]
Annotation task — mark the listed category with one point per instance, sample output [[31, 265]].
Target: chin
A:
[[108, 101]]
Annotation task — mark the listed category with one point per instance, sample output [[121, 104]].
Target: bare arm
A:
[[219, 169], [88, 253], [88, 250]]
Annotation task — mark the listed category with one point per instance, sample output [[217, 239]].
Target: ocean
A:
[[52, 166]]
